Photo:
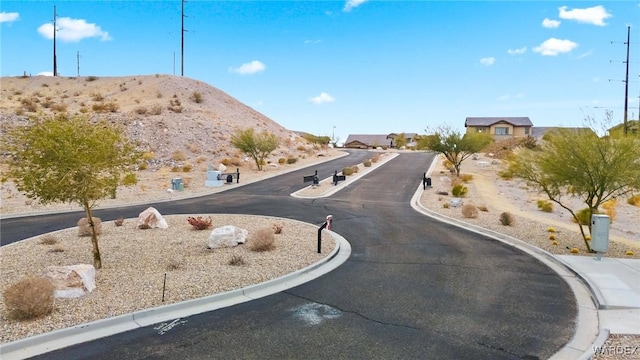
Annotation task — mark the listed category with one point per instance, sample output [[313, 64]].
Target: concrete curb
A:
[[43, 343], [587, 335]]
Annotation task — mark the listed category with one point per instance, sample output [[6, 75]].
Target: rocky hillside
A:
[[179, 120]]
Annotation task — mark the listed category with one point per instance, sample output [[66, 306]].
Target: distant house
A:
[[499, 127], [362, 141], [633, 128]]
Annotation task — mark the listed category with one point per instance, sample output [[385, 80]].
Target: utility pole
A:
[[626, 85], [182, 42], [55, 63], [78, 62]]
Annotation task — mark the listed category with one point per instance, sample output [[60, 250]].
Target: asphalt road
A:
[[413, 287]]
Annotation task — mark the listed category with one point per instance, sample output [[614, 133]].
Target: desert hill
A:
[[176, 119]]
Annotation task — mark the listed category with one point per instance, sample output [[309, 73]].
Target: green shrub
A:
[[347, 171], [282, 161], [291, 160], [355, 168], [129, 179], [29, 298], [366, 163], [506, 174], [584, 218], [466, 177], [544, 205], [506, 219], [262, 240], [459, 190]]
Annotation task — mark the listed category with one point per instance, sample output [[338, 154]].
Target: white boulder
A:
[[222, 168], [72, 281], [151, 219], [227, 236]]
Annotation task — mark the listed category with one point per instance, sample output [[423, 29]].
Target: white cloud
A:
[[73, 30], [352, 4], [553, 47], [488, 61], [8, 17], [322, 98], [587, 54], [45, 73], [249, 68], [594, 15], [551, 24], [519, 51], [309, 41]]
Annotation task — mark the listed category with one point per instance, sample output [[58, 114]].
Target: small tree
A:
[[579, 163], [258, 146], [400, 140], [65, 159], [454, 146]]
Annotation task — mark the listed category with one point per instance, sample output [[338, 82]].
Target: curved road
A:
[[413, 287]]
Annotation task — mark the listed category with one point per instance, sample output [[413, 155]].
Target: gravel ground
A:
[[135, 262]]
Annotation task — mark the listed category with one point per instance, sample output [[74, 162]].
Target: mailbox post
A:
[[600, 234]]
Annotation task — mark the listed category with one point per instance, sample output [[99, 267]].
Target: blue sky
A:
[[360, 66]]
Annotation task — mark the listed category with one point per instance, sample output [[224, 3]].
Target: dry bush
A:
[[277, 228], [262, 240], [174, 264], [102, 107], [48, 239], [57, 249], [291, 160], [156, 109], [194, 148], [634, 200], [97, 96], [119, 221], [197, 97], [30, 298], [366, 163], [375, 158], [84, 229], [59, 108], [483, 208], [466, 177], [178, 155], [141, 110], [347, 171], [469, 211], [506, 219], [200, 223], [355, 168], [236, 260], [187, 168]]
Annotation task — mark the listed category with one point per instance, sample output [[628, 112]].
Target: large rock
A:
[[72, 281], [227, 236], [151, 219], [84, 229]]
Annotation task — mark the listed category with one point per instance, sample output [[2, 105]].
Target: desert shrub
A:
[[483, 208], [583, 216], [375, 158], [57, 249], [469, 211], [282, 161], [175, 169], [102, 107], [506, 174], [551, 229], [634, 200], [366, 163], [178, 155], [236, 161], [544, 205], [174, 264], [141, 110], [91, 78], [277, 228], [445, 205], [301, 148], [119, 221], [506, 219], [175, 105], [226, 162], [148, 155], [96, 96], [197, 97], [236, 260], [29, 105], [459, 190], [347, 171], [466, 177], [552, 237], [30, 298], [291, 160], [156, 109], [199, 223], [609, 207], [48, 239], [142, 166], [447, 164], [187, 168], [84, 229], [355, 168], [262, 240], [59, 107], [129, 179]]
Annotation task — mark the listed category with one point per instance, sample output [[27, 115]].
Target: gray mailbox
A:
[[600, 233]]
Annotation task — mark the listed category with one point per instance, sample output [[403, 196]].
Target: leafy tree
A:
[[258, 146], [454, 146], [400, 140], [64, 159], [579, 163]]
